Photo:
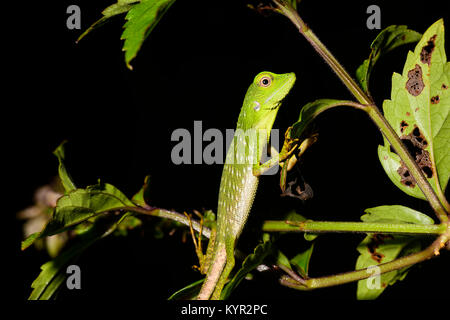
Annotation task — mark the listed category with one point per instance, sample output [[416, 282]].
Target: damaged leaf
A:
[[387, 40], [381, 248], [418, 111]]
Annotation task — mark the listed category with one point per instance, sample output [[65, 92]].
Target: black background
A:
[[196, 65]]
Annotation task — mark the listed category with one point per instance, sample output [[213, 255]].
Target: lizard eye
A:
[[265, 81]]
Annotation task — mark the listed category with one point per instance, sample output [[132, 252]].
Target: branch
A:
[[371, 109], [328, 281], [353, 227], [172, 215]]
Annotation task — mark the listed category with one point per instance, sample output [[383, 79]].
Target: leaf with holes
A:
[[379, 248], [419, 113], [141, 19], [387, 40]]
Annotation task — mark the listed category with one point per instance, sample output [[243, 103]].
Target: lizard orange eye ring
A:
[[265, 81]]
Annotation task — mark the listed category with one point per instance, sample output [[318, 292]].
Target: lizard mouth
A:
[[276, 106]]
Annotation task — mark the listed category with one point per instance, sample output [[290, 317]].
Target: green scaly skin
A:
[[241, 173]]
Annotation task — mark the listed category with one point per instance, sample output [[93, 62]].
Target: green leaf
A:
[[387, 40], [122, 6], [142, 196], [301, 261], [251, 262], [395, 213], [377, 248], [189, 292], [418, 111], [293, 3], [141, 19], [310, 111], [66, 180], [53, 273], [283, 260], [80, 205]]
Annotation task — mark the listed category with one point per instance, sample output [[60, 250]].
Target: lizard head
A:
[[264, 97]]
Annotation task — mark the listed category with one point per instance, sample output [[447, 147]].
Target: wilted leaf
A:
[[418, 112]]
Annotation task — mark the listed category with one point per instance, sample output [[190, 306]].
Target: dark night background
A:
[[197, 65]]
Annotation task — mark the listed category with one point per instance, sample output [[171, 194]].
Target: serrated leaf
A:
[[78, 206], [251, 262], [418, 111], [141, 19], [122, 6], [66, 180], [376, 248], [53, 273], [387, 40]]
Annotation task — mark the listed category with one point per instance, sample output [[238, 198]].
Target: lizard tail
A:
[[213, 275]]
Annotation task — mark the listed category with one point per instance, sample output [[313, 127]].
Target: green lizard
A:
[[240, 174]]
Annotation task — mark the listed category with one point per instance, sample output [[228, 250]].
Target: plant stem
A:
[[353, 227], [348, 81], [371, 109], [328, 281], [172, 215]]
